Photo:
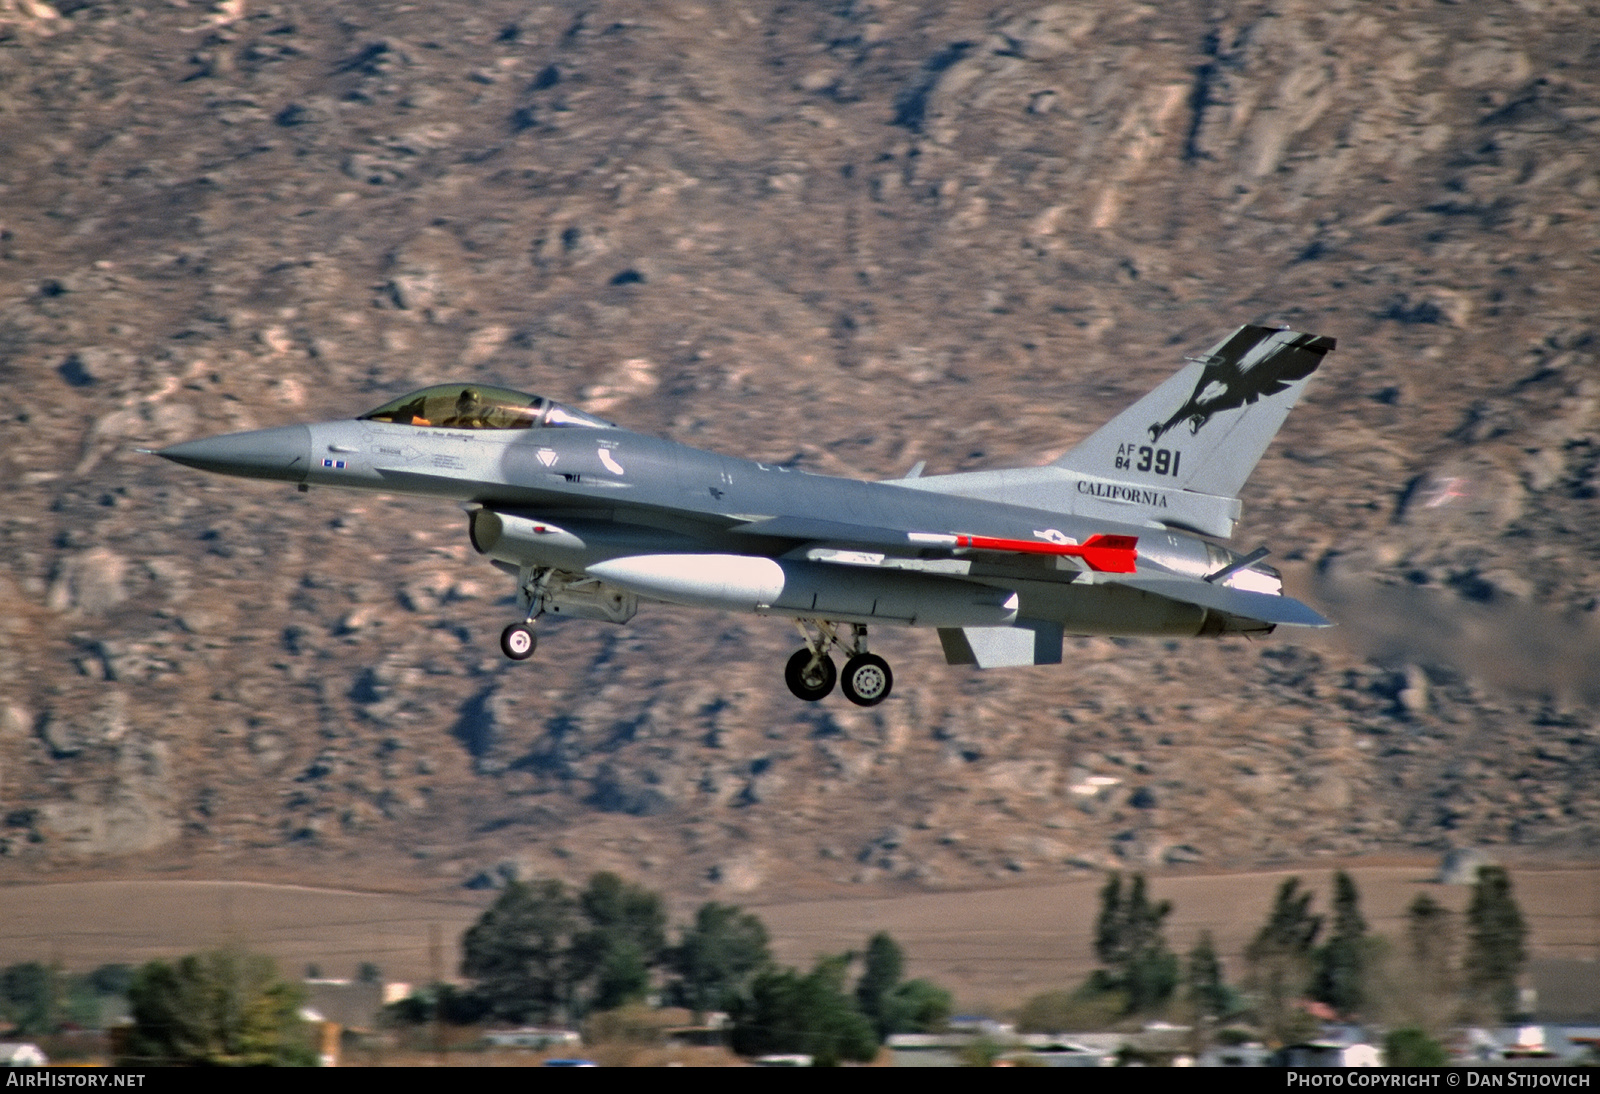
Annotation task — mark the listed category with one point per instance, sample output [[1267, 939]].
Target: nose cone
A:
[[283, 454]]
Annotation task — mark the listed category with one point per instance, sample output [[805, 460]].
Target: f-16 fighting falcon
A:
[[1117, 537]]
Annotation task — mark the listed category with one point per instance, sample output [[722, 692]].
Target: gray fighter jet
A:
[[1118, 536]]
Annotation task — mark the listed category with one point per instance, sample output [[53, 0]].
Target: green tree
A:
[[1496, 943], [1128, 941], [111, 979], [1061, 1011], [893, 1005], [225, 1007], [1342, 963], [1204, 986], [625, 937], [786, 1012], [517, 952], [1415, 984], [716, 957], [30, 997], [883, 964], [1432, 943], [919, 1006], [1280, 960], [1413, 1048]]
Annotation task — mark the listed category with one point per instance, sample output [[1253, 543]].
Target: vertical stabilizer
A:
[[1179, 456], [1205, 429]]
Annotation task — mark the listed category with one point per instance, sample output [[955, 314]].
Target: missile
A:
[[845, 594], [1105, 554]]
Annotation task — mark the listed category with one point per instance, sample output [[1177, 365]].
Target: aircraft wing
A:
[[807, 529]]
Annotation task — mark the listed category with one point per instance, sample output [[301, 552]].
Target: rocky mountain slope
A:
[[846, 236]]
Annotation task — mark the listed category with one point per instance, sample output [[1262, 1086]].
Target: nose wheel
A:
[[518, 641], [810, 674]]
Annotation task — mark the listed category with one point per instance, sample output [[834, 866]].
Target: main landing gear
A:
[[810, 674]]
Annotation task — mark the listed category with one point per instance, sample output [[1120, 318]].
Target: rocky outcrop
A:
[[846, 238]]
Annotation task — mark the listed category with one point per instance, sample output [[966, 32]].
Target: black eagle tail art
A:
[[1227, 382]]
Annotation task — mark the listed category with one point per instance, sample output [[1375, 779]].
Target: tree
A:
[[884, 963], [920, 1006], [225, 1007], [786, 1012], [1496, 943], [892, 1005], [1415, 984], [1129, 942], [1431, 944], [1060, 1011], [517, 952], [1412, 1047], [625, 938], [1342, 962], [1207, 992], [1280, 960], [716, 957], [30, 998]]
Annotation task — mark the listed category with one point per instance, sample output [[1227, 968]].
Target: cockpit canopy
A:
[[474, 406]]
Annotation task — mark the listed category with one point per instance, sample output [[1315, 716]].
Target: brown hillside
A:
[[847, 236]]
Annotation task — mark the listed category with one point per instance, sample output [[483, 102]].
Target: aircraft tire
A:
[[518, 642], [866, 681], [815, 685]]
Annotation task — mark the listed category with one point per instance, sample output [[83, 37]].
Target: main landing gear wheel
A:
[[518, 642], [867, 680], [810, 676]]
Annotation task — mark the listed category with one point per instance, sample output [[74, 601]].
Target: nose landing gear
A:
[[810, 674], [519, 640]]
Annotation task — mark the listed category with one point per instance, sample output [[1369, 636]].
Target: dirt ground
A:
[[993, 948]]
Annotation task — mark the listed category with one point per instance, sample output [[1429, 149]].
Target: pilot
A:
[[469, 410]]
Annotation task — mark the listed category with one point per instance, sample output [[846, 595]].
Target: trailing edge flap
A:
[[1027, 642], [1263, 606]]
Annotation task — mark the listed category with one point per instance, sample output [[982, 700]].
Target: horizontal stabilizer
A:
[[1263, 606]]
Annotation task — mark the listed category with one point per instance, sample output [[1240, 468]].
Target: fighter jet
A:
[[1120, 536]]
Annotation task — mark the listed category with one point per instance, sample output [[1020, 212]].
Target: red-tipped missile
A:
[[1105, 554]]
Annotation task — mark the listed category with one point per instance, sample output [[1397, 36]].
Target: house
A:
[[21, 1054]]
